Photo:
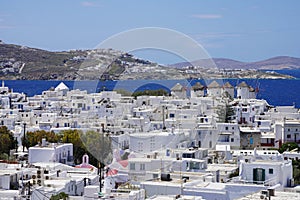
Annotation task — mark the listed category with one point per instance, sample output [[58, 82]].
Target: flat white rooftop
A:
[[182, 197], [278, 196]]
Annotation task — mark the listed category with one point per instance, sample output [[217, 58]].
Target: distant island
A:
[[25, 63]]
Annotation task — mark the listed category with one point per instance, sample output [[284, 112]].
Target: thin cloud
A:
[[4, 15], [208, 45], [89, 4], [218, 35], [207, 16], [6, 27], [215, 35]]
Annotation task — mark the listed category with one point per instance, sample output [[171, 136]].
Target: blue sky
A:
[[245, 30]]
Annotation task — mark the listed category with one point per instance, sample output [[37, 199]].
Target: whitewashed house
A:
[[287, 131], [247, 109], [267, 172], [229, 134], [62, 153], [154, 141]]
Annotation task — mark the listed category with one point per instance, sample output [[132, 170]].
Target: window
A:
[[226, 128], [142, 166], [210, 144], [288, 129], [194, 165], [199, 133], [132, 166], [232, 139], [140, 146], [288, 136], [270, 171], [258, 123]]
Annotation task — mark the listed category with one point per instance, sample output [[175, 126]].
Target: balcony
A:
[[267, 144], [223, 140]]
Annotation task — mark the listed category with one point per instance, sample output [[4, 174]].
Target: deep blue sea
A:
[[276, 92]]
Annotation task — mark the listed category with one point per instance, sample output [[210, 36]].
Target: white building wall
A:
[[179, 94], [145, 143], [51, 154], [198, 93], [243, 93], [282, 171], [214, 92], [5, 182], [41, 155]]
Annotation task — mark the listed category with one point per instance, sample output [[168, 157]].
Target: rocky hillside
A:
[[20, 62], [276, 63], [25, 63]]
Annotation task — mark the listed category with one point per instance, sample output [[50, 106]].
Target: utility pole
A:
[[163, 113], [100, 175], [24, 138]]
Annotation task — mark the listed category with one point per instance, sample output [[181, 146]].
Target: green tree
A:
[[159, 92], [74, 137], [98, 146], [225, 113], [123, 92], [7, 141], [34, 138], [296, 171], [59, 196], [288, 146]]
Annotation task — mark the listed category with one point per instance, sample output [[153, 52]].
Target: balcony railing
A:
[[223, 140], [267, 144]]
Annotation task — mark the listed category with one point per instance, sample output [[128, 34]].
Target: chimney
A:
[[44, 142]]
